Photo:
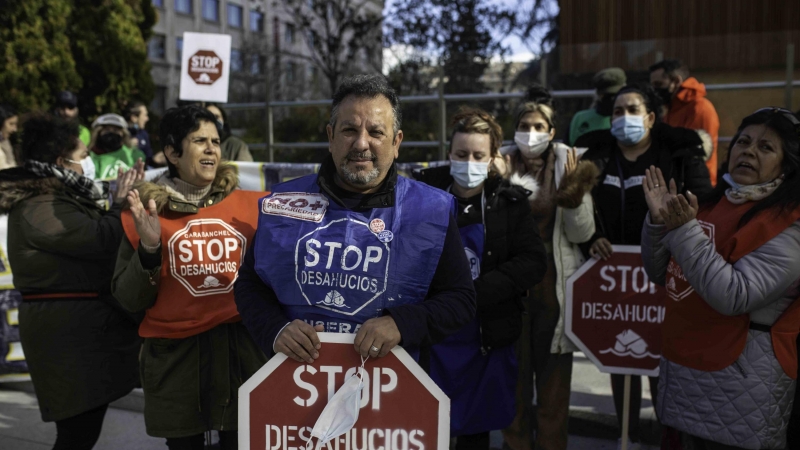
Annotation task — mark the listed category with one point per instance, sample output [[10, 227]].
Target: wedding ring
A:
[[657, 185], [374, 349]]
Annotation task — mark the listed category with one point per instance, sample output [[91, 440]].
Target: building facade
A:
[[264, 36]]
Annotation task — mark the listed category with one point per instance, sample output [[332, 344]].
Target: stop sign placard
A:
[[205, 67], [401, 407], [614, 313]]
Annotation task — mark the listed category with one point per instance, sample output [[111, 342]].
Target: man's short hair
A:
[[671, 67], [367, 86]]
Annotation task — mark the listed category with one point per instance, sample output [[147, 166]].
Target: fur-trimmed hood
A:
[[159, 189], [527, 182], [18, 184]]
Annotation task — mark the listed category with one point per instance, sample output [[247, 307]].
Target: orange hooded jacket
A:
[[691, 109]]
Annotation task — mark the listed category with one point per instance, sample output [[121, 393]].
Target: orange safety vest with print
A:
[[200, 259], [695, 335]]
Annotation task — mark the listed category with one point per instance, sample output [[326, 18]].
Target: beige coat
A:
[[574, 224]]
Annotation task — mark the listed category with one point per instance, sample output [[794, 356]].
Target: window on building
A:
[[211, 10], [256, 64], [236, 60], [313, 74], [158, 3], [183, 6], [291, 74], [179, 49], [234, 15], [289, 34], [311, 37], [157, 47], [256, 21], [159, 104]]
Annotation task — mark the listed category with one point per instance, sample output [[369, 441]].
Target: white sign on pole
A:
[[205, 67]]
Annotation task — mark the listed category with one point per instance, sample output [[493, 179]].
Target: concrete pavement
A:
[[592, 418]]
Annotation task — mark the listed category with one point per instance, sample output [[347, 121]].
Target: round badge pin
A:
[[385, 236], [377, 225]]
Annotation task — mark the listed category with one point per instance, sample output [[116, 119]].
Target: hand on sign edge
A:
[[381, 332], [299, 341], [601, 248]]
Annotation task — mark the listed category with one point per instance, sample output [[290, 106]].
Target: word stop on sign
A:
[[383, 380]]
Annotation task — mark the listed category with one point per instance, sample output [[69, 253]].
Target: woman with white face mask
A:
[[562, 206], [636, 141], [477, 366]]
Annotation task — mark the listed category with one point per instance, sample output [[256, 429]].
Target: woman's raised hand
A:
[[572, 161], [656, 193], [680, 211], [146, 219], [126, 180]]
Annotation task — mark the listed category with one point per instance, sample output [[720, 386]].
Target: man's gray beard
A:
[[359, 178]]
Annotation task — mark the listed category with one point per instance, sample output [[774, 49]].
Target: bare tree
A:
[[340, 36]]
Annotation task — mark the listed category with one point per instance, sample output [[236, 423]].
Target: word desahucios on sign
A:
[[401, 407], [205, 67], [614, 313]]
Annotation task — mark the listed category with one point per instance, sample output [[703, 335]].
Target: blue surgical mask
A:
[[469, 174], [629, 130]]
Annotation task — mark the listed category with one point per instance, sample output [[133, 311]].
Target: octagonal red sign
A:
[[205, 256], [205, 67], [401, 407], [614, 313]]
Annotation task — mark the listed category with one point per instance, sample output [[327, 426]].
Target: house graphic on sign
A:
[[204, 78], [630, 344]]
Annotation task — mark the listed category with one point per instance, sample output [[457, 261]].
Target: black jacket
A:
[[680, 157], [514, 258]]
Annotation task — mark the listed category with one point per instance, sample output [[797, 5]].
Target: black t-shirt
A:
[[623, 212], [470, 210]]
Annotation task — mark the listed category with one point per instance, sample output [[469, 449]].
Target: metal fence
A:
[[442, 99]]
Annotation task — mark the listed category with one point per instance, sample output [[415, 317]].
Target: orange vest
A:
[[697, 336], [200, 260]]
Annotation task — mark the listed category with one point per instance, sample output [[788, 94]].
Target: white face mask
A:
[[531, 144], [469, 174], [87, 165], [341, 412]]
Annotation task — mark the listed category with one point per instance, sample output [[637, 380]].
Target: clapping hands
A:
[[667, 207]]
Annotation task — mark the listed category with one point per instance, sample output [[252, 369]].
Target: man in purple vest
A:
[[356, 248]]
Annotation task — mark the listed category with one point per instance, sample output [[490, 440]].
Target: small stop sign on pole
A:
[[205, 67], [401, 407], [614, 313]]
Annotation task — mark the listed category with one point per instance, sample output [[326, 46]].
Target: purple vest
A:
[[332, 266]]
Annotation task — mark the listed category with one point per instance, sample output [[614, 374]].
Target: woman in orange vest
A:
[[187, 233], [730, 262]]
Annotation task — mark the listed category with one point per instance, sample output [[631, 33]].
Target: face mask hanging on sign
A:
[[341, 412]]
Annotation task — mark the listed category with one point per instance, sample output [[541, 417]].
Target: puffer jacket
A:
[[574, 224], [748, 403]]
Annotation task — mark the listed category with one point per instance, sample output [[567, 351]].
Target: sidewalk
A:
[[592, 419]]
